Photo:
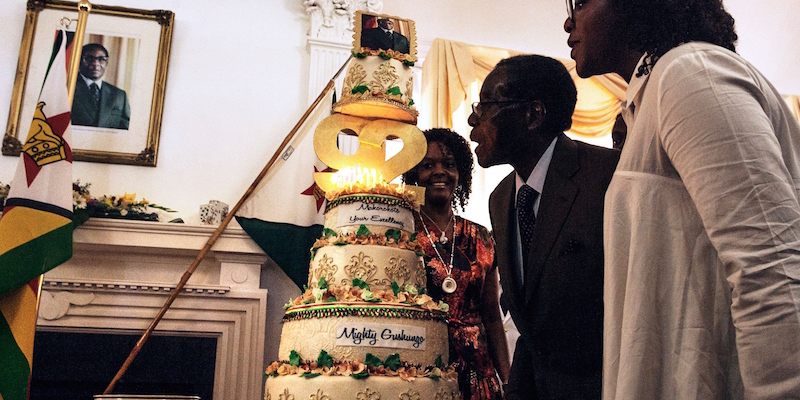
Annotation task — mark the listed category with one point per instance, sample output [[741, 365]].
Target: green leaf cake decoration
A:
[[294, 359], [394, 90], [372, 360], [360, 284], [328, 232], [324, 359], [360, 375], [395, 234], [362, 231], [393, 361]]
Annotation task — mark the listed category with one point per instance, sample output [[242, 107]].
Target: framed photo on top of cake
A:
[[375, 33], [119, 93]]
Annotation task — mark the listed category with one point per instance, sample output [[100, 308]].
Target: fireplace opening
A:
[[73, 365]]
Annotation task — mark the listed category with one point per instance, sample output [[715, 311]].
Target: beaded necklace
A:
[[449, 284]]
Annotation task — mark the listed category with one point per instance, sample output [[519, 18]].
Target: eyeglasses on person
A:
[[91, 59], [477, 107], [572, 5]]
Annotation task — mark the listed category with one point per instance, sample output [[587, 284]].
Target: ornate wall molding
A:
[[331, 20], [330, 38]]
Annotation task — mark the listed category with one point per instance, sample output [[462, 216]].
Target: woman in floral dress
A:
[[460, 266]]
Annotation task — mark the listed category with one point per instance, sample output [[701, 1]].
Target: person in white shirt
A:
[[702, 228]]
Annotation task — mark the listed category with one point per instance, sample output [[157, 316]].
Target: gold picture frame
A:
[[137, 46], [368, 34]]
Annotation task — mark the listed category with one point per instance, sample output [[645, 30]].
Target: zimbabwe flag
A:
[[36, 225]]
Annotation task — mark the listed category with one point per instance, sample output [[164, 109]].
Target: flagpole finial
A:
[[84, 5]]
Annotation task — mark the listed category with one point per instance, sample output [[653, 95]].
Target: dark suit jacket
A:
[[113, 112], [376, 38], [559, 312]]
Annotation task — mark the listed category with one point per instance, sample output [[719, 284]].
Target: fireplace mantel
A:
[[122, 272]]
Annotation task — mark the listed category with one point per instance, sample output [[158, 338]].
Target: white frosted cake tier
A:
[[376, 265], [347, 388], [348, 331], [377, 213]]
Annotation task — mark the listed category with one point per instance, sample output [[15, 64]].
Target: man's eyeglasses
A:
[[91, 59], [477, 107]]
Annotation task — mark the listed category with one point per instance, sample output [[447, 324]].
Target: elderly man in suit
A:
[[384, 37], [547, 218], [96, 102]]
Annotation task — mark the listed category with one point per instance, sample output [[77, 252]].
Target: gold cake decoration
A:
[[368, 394]]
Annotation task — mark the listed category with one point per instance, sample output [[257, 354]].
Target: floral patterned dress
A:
[[473, 259]]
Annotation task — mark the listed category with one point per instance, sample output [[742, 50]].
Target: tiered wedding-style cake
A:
[[364, 327]]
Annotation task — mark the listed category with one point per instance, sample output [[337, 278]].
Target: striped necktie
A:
[[95, 92]]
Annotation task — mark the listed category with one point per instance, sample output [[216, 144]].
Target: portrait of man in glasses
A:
[[98, 103], [383, 36]]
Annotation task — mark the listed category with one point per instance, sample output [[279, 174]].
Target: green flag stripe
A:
[[288, 245], [35, 257], [14, 368]]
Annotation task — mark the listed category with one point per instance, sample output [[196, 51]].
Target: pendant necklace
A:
[[449, 284], [442, 237]]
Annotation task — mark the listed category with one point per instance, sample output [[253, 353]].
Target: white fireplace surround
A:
[[122, 272]]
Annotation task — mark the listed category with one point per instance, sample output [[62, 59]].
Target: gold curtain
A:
[[794, 104], [450, 67]]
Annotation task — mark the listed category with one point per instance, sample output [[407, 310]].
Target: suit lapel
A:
[[86, 104], [105, 105], [558, 194]]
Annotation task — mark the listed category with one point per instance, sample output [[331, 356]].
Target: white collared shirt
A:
[[88, 82], [536, 178], [701, 231]]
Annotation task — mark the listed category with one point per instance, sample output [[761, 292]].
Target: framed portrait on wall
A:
[[119, 92]]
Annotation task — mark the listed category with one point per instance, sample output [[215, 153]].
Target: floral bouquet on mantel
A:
[[126, 206], [84, 206]]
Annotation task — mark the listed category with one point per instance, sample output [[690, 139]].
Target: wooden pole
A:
[[218, 232]]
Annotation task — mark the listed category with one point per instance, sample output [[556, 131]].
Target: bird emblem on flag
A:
[[45, 144]]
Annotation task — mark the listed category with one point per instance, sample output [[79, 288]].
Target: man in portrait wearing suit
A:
[[98, 103], [547, 218], [384, 37]]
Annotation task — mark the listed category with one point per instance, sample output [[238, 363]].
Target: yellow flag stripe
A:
[[19, 309], [22, 224]]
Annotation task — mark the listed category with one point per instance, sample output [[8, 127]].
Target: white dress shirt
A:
[[702, 236]]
